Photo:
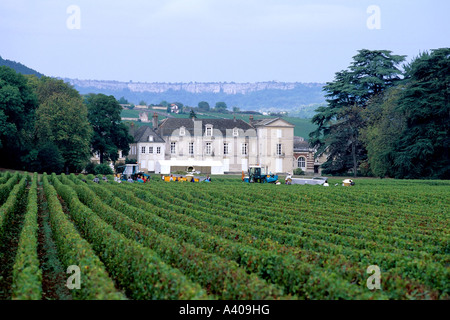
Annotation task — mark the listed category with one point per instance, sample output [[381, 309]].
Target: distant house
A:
[[219, 146], [143, 117], [304, 157], [159, 107], [214, 146], [174, 108]]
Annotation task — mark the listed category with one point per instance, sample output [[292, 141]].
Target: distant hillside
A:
[[19, 68], [299, 99], [258, 96]]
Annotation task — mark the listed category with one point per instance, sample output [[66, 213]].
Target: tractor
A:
[[256, 175], [131, 171]]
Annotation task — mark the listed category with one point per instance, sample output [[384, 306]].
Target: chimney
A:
[[132, 129], [155, 121], [251, 119]]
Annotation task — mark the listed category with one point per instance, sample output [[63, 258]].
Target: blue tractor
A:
[[256, 175]]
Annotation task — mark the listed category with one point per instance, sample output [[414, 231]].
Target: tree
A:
[[62, 120], [221, 106], [49, 159], [422, 149], [204, 106], [192, 114], [384, 124], [110, 134], [122, 100], [18, 104], [339, 123]]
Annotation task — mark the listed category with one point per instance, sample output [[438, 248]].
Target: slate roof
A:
[[168, 125], [265, 122], [301, 145], [142, 134]]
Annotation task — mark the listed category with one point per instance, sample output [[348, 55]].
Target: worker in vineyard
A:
[[96, 180], [288, 179], [208, 179]]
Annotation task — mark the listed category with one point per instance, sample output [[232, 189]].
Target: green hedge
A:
[[13, 200], [223, 277], [27, 276], [6, 187], [136, 268], [74, 250]]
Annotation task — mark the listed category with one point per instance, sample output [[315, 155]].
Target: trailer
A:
[[311, 181]]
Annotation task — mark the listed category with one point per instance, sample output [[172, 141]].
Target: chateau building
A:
[[219, 146]]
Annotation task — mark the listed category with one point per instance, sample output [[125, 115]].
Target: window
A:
[[182, 131], [209, 131], [225, 148], [150, 138], [191, 148], [301, 162], [235, 132], [143, 150], [279, 133], [173, 146], [208, 148], [244, 148], [150, 149], [279, 150], [158, 150]]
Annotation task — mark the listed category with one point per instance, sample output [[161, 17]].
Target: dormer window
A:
[[150, 138], [182, 131], [235, 132], [209, 131]]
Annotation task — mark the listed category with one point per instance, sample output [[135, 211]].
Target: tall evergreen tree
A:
[[339, 123], [423, 147]]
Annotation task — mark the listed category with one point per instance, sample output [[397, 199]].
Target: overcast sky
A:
[[213, 40]]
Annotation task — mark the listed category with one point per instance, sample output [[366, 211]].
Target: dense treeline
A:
[[382, 121], [47, 126]]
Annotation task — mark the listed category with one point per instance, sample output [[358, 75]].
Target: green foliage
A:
[[424, 146], [224, 277], [385, 123], [110, 134], [130, 161], [74, 250], [135, 268], [122, 100], [298, 172], [7, 186], [27, 275], [204, 106], [237, 241], [17, 112], [103, 169], [220, 106], [12, 202], [339, 123], [62, 120]]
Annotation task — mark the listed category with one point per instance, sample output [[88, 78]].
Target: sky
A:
[[214, 40]]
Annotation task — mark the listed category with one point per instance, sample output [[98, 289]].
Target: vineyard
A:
[[224, 240]]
